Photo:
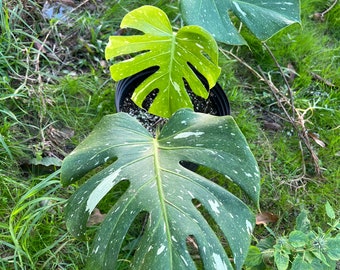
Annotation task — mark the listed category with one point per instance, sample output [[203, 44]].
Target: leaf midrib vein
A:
[[162, 199]]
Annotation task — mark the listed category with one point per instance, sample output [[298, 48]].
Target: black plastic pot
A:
[[126, 87]]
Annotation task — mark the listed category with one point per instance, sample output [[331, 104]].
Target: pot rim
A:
[[125, 88]]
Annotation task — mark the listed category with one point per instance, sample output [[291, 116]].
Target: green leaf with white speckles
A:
[[162, 187], [263, 18], [171, 52]]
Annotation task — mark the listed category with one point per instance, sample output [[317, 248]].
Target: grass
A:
[[53, 93]]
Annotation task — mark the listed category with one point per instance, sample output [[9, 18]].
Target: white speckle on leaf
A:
[[188, 134], [186, 263], [176, 86], [174, 239], [101, 190], [211, 151], [199, 45], [214, 206], [96, 250], [81, 200], [161, 249], [195, 220], [239, 9], [249, 227], [248, 174], [192, 196], [218, 263]]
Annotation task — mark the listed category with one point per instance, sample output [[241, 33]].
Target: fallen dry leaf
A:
[[39, 46], [316, 139], [291, 72], [318, 17], [272, 125], [266, 217], [95, 218], [321, 79]]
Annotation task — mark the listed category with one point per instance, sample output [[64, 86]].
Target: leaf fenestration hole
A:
[[189, 165], [130, 56], [113, 195], [193, 250], [222, 181], [213, 225], [199, 75], [99, 169], [132, 238], [200, 104], [149, 99]]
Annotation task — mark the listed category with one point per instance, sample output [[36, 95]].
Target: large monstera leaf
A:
[[263, 18], [171, 52], [162, 187]]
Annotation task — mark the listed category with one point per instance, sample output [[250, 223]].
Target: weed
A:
[[303, 248]]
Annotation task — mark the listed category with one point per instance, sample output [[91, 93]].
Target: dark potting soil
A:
[[151, 121]]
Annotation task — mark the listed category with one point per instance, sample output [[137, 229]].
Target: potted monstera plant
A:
[[121, 150]]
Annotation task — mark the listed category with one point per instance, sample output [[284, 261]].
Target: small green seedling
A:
[[303, 248]]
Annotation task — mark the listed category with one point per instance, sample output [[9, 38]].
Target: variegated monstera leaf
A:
[[162, 187], [263, 18], [173, 53]]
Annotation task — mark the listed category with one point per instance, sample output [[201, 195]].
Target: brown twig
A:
[[298, 122], [328, 9], [320, 16], [323, 80], [291, 96], [296, 119]]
